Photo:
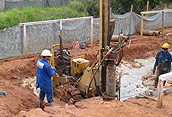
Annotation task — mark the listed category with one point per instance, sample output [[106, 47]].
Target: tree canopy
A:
[[123, 6]]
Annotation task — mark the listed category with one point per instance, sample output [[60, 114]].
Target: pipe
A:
[[116, 50], [61, 49], [98, 68]]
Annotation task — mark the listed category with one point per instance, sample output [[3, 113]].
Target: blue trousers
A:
[[49, 96]]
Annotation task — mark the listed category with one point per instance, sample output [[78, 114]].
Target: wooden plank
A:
[[5, 6], [20, 17], [147, 12], [38, 22], [53, 21], [92, 32], [25, 42], [154, 99], [162, 24], [70, 19], [160, 93], [73, 93], [131, 8], [147, 7], [45, 3], [142, 28], [77, 97], [168, 34]]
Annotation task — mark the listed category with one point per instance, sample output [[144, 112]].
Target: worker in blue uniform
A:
[[43, 77], [163, 63]]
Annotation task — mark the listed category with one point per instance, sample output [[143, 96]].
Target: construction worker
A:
[[163, 63], [43, 77]]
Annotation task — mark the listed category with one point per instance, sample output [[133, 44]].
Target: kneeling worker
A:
[[163, 63], [43, 77]]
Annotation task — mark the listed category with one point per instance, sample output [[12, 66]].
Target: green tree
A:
[[123, 6], [92, 7]]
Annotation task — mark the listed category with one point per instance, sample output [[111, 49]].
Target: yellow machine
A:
[[77, 78], [75, 84]]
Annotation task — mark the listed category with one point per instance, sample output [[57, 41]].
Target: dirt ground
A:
[[22, 102]]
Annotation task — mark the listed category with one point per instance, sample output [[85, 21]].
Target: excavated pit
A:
[[21, 101]]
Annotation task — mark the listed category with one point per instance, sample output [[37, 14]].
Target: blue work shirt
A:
[[163, 60], [43, 76]]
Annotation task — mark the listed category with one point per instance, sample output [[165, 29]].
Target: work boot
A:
[[40, 103], [50, 104]]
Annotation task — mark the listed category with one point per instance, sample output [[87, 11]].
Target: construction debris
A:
[[19, 99]]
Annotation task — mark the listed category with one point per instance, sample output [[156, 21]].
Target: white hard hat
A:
[[46, 53]]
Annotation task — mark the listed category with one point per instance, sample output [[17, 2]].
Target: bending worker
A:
[[163, 63], [43, 77]]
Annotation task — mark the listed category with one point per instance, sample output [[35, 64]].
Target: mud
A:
[[21, 101]]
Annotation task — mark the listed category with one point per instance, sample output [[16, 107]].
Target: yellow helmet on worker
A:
[[165, 45]]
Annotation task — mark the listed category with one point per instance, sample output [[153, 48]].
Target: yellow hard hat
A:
[[165, 45]]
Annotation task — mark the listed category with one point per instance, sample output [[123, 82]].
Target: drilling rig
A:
[[114, 50], [78, 78]]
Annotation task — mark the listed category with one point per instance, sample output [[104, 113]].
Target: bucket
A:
[[82, 45], [76, 44]]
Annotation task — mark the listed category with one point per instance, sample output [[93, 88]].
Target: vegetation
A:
[[10, 18], [123, 6], [92, 7]]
